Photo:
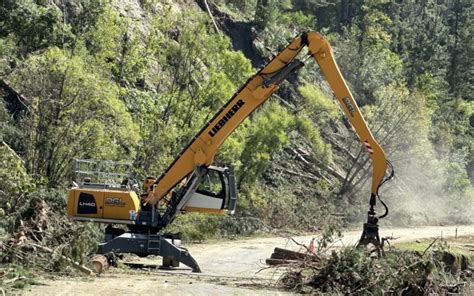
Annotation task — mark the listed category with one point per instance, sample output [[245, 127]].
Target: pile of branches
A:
[[38, 237], [353, 271], [35, 234]]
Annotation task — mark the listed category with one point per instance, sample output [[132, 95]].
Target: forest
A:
[[134, 81]]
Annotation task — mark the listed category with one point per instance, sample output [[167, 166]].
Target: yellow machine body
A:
[[102, 203]]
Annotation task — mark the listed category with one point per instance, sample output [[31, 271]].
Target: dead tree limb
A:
[[432, 243], [301, 157], [12, 151], [334, 173], [307, 176], [210, 15], [339, 147], [286, 103]]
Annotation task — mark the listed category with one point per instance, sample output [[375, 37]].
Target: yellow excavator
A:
[[192, 184]]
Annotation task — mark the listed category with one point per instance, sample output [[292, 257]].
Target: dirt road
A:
[[229, 267]]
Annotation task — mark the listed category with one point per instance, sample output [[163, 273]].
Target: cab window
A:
[[211, 184]]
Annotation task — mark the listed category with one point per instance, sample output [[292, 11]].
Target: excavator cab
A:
[[216, 192]]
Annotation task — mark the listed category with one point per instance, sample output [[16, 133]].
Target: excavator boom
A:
[[203, 147]]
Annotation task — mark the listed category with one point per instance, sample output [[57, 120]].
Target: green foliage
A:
[[104, 40], [7, 54], [16, 277], [352, 271], [433, 189], [240, 7], [298, 20], [83, 15], [116, 45], [60, 126], [367, 64], [457, 180], [16, 184], [194, 75], [266, 13], [15, 179], [318, 105], [196, 227], [260, 145], [33, 26]]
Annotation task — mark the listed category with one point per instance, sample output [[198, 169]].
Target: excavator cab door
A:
[[216, 193]]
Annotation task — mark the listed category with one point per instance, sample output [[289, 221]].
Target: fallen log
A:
[[293, 255], [278, 256], [271, 261]]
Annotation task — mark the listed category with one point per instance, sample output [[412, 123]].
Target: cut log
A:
[[292, 255], [283, 256], [100, 263], [278, 256]]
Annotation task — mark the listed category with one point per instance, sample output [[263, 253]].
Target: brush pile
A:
[[37, 237], [352, 271], [35, 234], [33, 219]]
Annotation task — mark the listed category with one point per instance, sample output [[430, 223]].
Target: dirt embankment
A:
[[229, 267]]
